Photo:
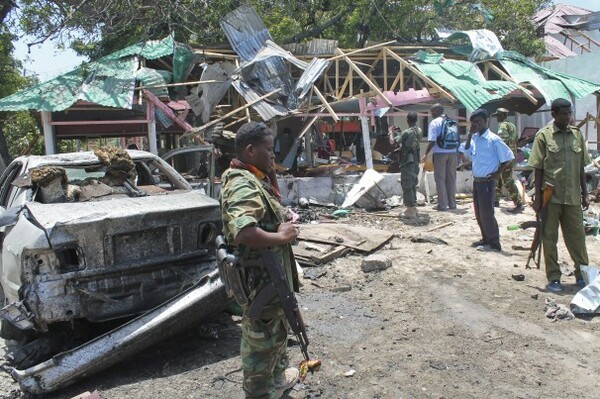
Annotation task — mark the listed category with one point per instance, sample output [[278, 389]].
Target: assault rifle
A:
[[536, 244], [279, 286]]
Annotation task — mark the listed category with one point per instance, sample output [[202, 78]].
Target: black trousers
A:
[[483, 201]]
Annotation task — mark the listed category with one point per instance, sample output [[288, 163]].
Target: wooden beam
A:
[[216, 55], [326, 104], [360, 50], [385, 77], [589, 38], [572, 39], [420, 74], [365, 78], [235, 111], [506, 76], [395, 82], [340, 94], [337, 77]]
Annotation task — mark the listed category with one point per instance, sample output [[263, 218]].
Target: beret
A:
[[560, 102], [479, 112]]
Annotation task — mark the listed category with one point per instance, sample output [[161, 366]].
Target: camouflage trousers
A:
[[264, 355], [506, 180], [409, 178]]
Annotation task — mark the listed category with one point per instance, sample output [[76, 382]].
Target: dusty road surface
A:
[[442, 322]]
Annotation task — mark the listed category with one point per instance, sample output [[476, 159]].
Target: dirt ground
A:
[[442, 322]]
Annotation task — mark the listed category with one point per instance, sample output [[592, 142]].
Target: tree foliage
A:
[[97, 27], [11, 124]]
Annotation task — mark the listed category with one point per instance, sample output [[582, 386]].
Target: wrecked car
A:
[[90, 240]]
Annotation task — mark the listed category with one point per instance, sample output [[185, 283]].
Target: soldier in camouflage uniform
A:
[[508, 133], [409, 156], [253, 218], [559, 154]]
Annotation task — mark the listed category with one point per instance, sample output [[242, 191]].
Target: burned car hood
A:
[[125, 230]]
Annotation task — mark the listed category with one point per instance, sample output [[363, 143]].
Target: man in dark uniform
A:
[[253, 219], [508, 133], [559, 155], [408, 158]]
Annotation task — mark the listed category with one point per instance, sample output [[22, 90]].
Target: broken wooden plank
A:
[[363, 239], [441, 226]]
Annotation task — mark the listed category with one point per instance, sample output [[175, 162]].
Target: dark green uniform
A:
[[561, 154], [409, 157], [247, 201], [508, 133]]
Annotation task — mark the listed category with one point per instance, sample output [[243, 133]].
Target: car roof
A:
[[76, 158]]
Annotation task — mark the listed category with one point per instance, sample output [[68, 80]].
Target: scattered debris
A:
[[441, 226], [314, 273], [375, 262], [360, 238], [360, 193], [437, 365], [587, 300], [349, 373], [428, 239], [557, 311], [518, 277]]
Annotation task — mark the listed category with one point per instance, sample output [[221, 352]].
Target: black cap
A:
[[479, 112]]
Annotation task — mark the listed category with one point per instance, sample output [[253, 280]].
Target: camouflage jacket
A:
[[508, 133], [247, 201], [408, 140]]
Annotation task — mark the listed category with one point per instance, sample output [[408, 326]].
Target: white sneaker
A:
[[285, 381]]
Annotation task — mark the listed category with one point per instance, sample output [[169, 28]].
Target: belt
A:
[[485, 178]]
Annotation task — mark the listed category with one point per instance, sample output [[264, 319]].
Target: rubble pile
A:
[[120, 166]]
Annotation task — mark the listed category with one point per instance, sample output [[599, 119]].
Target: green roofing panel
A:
[[464, 80], [110, 81], [550, 83], [150, 50]]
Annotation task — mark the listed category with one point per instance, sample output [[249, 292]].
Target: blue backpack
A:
[[449, 138]]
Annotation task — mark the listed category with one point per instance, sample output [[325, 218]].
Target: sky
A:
[[47, 61]]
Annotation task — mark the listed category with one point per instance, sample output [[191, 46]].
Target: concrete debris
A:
[[557, 311], [375, 262], [428, 239]]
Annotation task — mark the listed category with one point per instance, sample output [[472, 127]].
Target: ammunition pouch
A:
[[230, 272]]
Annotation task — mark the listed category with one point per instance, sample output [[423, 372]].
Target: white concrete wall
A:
[[323, 189]]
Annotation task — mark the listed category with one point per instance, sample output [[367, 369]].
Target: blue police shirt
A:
[[488, 151]]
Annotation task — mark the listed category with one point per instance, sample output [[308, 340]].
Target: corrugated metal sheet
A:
[[464, 81], [312, 72], [316, 47], [150, 50], [551, 83], [110, 81], [265, 109], [246, 32], [151, 77], [265, 67]]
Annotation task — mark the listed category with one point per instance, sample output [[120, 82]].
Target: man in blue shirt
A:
[[490, 156]]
